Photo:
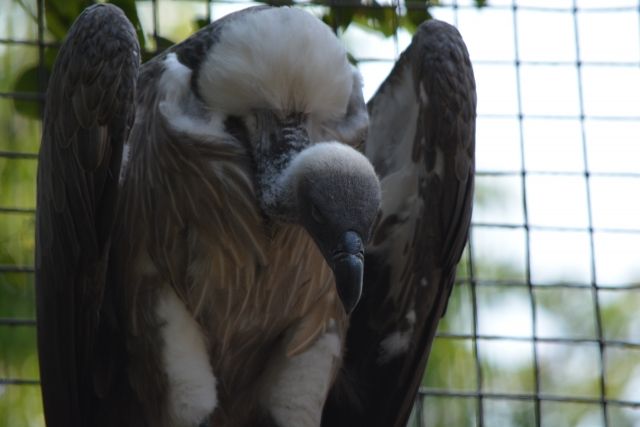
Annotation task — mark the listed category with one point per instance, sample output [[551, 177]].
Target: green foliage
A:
[[26, 83], [413, 18], [60, 15], [161, 43], [378, 18], [382, 18], [19, 405]]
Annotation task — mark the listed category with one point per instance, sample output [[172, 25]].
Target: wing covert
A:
[[421, 141], [89, 111]]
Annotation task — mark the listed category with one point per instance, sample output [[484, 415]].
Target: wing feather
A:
[[78, 168], [421, 142], [175, 228]]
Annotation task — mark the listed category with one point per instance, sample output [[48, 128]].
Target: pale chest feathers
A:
[[244, 308]]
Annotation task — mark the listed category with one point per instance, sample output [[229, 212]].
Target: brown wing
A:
[[89, 110], [421, 141]]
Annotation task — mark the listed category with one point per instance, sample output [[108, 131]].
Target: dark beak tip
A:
[[350, 306], [348, 272]]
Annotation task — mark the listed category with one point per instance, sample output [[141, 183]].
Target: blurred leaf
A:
[[200, 23], [278, 2], [339, 18], [481, 3], [413, 18], [451, 366], [352, 59], [60, 14], [27, 82], [382, 19], [50, 55], [129, 9], [161, 45]]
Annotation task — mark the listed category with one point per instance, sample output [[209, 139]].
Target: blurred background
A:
[[543, 328]]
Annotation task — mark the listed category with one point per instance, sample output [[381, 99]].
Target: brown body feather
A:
[[190, 219], [184, 218]]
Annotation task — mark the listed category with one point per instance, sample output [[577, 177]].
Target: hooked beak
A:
[[347, 263]]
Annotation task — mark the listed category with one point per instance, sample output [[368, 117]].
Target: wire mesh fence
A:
[[542, 328]]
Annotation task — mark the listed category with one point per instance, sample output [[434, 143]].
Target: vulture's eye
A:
[[317, 215]]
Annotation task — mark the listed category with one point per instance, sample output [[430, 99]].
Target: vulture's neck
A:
[[280, 142]]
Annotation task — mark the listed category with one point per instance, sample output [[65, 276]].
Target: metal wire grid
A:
[[480, 396], [537, 396]]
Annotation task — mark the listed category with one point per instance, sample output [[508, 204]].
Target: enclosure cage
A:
[[543, 326]]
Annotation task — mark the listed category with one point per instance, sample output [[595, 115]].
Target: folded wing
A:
[[421, 141], [89, 111]]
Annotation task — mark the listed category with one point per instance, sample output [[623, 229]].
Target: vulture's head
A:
[[333, 192], [283, 75]]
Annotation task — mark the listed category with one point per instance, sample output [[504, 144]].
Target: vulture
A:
[[229, 236]]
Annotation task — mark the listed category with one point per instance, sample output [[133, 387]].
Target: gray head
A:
[[329, 188], [329, 185], [333, 192]]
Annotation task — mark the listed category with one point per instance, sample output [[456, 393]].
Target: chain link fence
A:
[[543, 326]]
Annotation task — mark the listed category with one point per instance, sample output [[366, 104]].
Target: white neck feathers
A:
[[282, 59]]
